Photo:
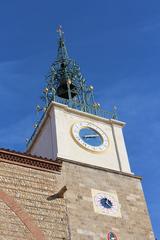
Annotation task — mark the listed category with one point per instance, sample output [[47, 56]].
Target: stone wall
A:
[[85, 224], [25, 212]]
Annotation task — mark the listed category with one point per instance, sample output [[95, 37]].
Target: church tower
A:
[[104, 199]]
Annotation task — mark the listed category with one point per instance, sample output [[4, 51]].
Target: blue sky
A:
[[117, 45]]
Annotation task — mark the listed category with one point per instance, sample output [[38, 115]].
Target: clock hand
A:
[[91, 136], [109, 204]]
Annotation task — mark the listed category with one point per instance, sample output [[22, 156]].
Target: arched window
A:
[[111, 236]]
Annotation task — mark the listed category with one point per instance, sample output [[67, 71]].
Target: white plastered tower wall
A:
[[54, 139]]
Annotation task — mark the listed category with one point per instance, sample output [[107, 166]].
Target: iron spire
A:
[[65, 84], [62, 54]]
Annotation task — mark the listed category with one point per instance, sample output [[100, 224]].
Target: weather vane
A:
[[60, 30]]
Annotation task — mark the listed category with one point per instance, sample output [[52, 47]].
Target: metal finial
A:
[[38, 108], [91, 88], [35, 125], [114, 116], [60, 31]]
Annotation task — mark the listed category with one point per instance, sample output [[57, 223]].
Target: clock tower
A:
[[104, 199]]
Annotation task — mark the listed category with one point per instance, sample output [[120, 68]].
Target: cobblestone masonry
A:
[[85, 224], [25, 212]]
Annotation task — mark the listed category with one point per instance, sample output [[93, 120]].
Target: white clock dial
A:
[[106, 203], [90, 136]]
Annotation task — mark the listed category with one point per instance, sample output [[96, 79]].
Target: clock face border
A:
[[81, 125], [114, 211]]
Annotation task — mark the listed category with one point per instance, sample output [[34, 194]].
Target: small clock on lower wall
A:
[[106, 203]]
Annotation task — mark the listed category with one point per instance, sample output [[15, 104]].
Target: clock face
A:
[[106, 203], [90, 136]]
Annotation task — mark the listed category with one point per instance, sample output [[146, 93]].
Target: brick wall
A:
[[25, 212]]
